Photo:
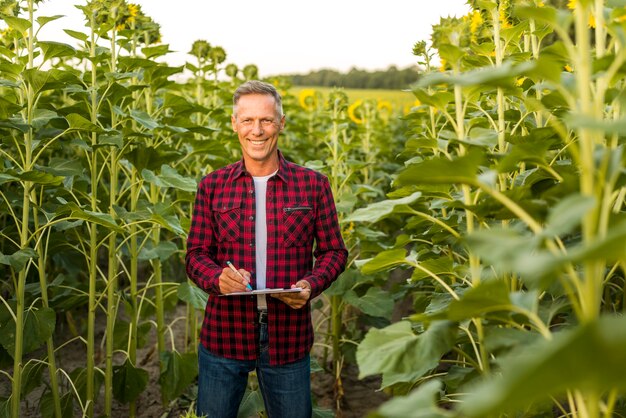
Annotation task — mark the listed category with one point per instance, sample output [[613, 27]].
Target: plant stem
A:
[[93, 230], [43, 284], [24, 233], [112, 270]]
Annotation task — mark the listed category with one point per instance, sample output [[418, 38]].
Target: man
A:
[[263, 214]]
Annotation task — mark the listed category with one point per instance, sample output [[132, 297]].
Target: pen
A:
[[229, 264]]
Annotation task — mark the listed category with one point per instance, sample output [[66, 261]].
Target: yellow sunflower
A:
[[504, 21], [475, 22], [353, 109], [133, 11], [384, 105], [308, 100], [409, 107]]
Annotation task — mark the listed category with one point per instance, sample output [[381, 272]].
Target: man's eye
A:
[[267, 122]]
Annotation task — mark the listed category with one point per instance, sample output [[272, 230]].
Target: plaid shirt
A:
[[300, 209]]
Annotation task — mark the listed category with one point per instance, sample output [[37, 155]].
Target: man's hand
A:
[[296, 300], [232, 282]]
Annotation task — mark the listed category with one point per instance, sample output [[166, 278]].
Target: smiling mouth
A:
[[261, 142]]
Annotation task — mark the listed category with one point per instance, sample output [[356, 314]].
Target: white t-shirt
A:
[[260, 236]]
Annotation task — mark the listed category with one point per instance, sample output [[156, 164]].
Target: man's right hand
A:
[[232, 282]]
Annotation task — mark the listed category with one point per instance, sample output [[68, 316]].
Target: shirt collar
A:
[[283, 168]]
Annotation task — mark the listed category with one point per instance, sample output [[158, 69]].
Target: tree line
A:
[[391, 78]]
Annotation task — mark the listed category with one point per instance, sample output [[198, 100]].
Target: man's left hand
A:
[[296, 300]]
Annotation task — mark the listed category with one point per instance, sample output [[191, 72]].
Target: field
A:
[[486, 227], [399, 99]]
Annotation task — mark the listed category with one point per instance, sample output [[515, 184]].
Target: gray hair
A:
[[258, 87]]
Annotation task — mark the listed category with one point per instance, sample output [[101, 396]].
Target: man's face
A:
[[257, 125]]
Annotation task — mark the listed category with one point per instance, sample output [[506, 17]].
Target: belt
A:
[[261, 316]]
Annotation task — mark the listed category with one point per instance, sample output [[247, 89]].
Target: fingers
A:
[[295, 300], [230, 281]]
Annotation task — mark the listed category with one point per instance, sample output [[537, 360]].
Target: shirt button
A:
[[251, 191], [251, 218], [252, 244]]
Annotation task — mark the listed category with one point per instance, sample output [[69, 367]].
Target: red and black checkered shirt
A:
[[300, 210]]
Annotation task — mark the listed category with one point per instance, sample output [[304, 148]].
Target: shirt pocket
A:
[[298, 221], [227, 217]]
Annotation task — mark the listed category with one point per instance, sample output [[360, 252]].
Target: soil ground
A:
[[359, 396]]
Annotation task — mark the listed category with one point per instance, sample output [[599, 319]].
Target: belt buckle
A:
[[262, 317]]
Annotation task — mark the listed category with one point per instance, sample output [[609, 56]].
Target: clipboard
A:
[[264, 292]]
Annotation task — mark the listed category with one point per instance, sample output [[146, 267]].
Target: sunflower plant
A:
[[512, 209]]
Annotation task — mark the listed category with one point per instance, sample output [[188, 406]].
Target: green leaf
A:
[[178, 371], [121, 332], [155, 51], [481, 137], [488, 296], [17, 23], [31, 376], [169, 177], [128, 382], [450, 53], [5, 408], [384, 260], [144, 119], [78, 122], [441, 170], [251, 404], [46, 405], [568, 214], [420, 403], [612, 126], [18, 259], [319, 412], [111, 138], [76, 35], [41, 117], [193, 295], [38, 327], [502, 76], [171, 223], [590, 357], [437, 266], [79, 377], [40, 177], [37, 79], [376, 302], [611, 247], [99, 218], [438, 100], [63, 167], [43, 20], [56, 50], [379, 210], [162, 251], [400, 355]]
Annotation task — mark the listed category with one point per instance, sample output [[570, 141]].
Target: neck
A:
[[261, 168]]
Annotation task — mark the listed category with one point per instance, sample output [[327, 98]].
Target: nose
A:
[[257, 129]]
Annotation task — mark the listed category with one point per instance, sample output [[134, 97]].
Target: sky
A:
[[284, 36]]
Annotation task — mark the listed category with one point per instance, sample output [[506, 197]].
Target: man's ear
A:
[[233, 122]]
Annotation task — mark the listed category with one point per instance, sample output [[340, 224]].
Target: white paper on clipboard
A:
[[264, 292]]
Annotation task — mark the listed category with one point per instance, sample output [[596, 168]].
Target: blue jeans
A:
[[222, 383]]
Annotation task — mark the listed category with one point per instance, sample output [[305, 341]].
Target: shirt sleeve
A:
[[330, 251], [199, 261]]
